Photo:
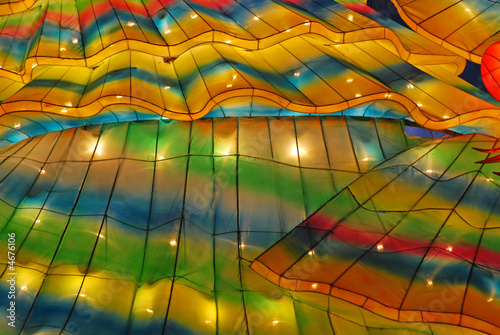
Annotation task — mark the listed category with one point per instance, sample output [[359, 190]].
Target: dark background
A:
[[472, 72]]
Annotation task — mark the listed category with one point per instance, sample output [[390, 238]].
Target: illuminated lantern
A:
[[490, 70]]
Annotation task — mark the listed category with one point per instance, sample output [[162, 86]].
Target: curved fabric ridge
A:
[[466, 27], [75, 32], [322, 78], [422, 257], [22, 71], [15, 127]]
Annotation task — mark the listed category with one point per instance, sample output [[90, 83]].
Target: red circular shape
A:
[[490, 70]]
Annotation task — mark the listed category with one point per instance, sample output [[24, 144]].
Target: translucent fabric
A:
[[466, 27], [164, 227], [68, 63], [247, 167]]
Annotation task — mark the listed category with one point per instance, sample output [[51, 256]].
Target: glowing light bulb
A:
[[358, 95], [311, 252], [296, 73], [229, 85], [490, 300], [194, 16], [228, 41], [307, 23], [380, 247], [288, 30], [75, 40], [34, 65], [234, 76], [349, 80], [446, 117], [161, 157], [449, 249], [42, 171], [242, 246], [225, 154], [419, 105], [24, 288], [69, 104], [130, 24], [149, 310], [167, 87], [101, 236], [82, 295], [167, 31], [365, 159], [173, 242], [350, 17], [37, 221], [62, 49], [429, 171], [275, 322], [314, 286], [467, 9], [429, 282], [410, 86], [64, 110], [256, 18], [17, 125], [119, 96]]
